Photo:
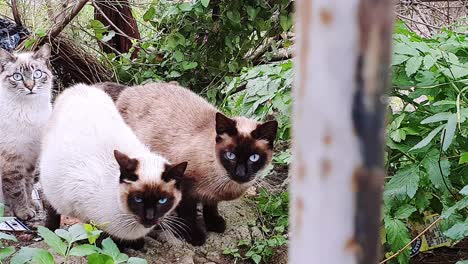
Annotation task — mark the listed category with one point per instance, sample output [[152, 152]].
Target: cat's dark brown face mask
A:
[[242, 154]]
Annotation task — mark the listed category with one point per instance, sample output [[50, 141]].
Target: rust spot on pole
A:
[[353, 246], [301, 167], [326, 168], [327, 139], [357, 175], [326, 16], [299, 214], [305, 19]]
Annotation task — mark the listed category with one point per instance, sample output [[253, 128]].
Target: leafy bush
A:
[[200, 43], [427, 152]]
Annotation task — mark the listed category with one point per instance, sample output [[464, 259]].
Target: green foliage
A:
[[273, 224], [428, 137], [198, 43]]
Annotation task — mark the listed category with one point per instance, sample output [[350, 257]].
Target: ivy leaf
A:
[[43, 257], [149, 15], [205, 3], [412, 65], [52, 240], [458, 231], [431, 165], [403, 183], [405, 211], [463, 158], [399, 59], [429, 61], [428, 138]]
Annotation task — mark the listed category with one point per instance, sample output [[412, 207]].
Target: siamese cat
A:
[[25, 106], [94, 168], [224, 154]]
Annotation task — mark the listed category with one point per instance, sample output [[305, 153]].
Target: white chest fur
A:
[[22, 121]]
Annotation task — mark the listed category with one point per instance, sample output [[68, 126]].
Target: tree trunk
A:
[[117, 16], [342, 66]]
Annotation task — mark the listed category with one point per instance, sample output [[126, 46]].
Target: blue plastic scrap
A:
[[11, 34]]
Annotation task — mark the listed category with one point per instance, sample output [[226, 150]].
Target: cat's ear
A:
[[128, 167], [225, 124], [174, 172], [43, 53], [266, 131], [5, 58]]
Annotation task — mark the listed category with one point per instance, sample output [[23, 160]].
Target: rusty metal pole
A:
[[342, 66]]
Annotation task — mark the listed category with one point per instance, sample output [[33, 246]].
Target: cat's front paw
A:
[[24, 213], [215, 224], [197, 237]]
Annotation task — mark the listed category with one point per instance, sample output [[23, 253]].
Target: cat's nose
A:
[[29, 85], [241, 171], [149, 214]]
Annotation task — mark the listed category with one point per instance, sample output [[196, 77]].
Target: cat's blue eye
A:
[[162, 200], [137, 199], [254, 158], [37, 74], [230, 155], [17, 76]]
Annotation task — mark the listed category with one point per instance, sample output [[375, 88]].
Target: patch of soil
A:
[[443, 255]]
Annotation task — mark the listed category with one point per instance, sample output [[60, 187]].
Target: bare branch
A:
[[57, 28], [16, 14]]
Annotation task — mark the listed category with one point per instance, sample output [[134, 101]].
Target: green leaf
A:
[[401, 48], [397, 237], [286, 22], [77, 232], [431, 165], [462, 262], [205, 3], [256, 258], [437, 118], [7, 237], [412, 65], [43, 257], [188, 65], [24, 255], [186, 6], [425, 141], [52, 240], [463, 158], [111, 249], [178, 55], [405, 211], [403, 183], [429, 61], [134, 260], [234, 16], [83, 250], [251, 12], [399, 59], [97, 258], [41, 32], [149, 15], [460, 205], [450, 128], [6, 252], [458, 231], [464, 191]]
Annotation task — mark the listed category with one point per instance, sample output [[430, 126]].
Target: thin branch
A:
[[111, 23], [16, 14], [55, 31], [418, 22], [411, 242]]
